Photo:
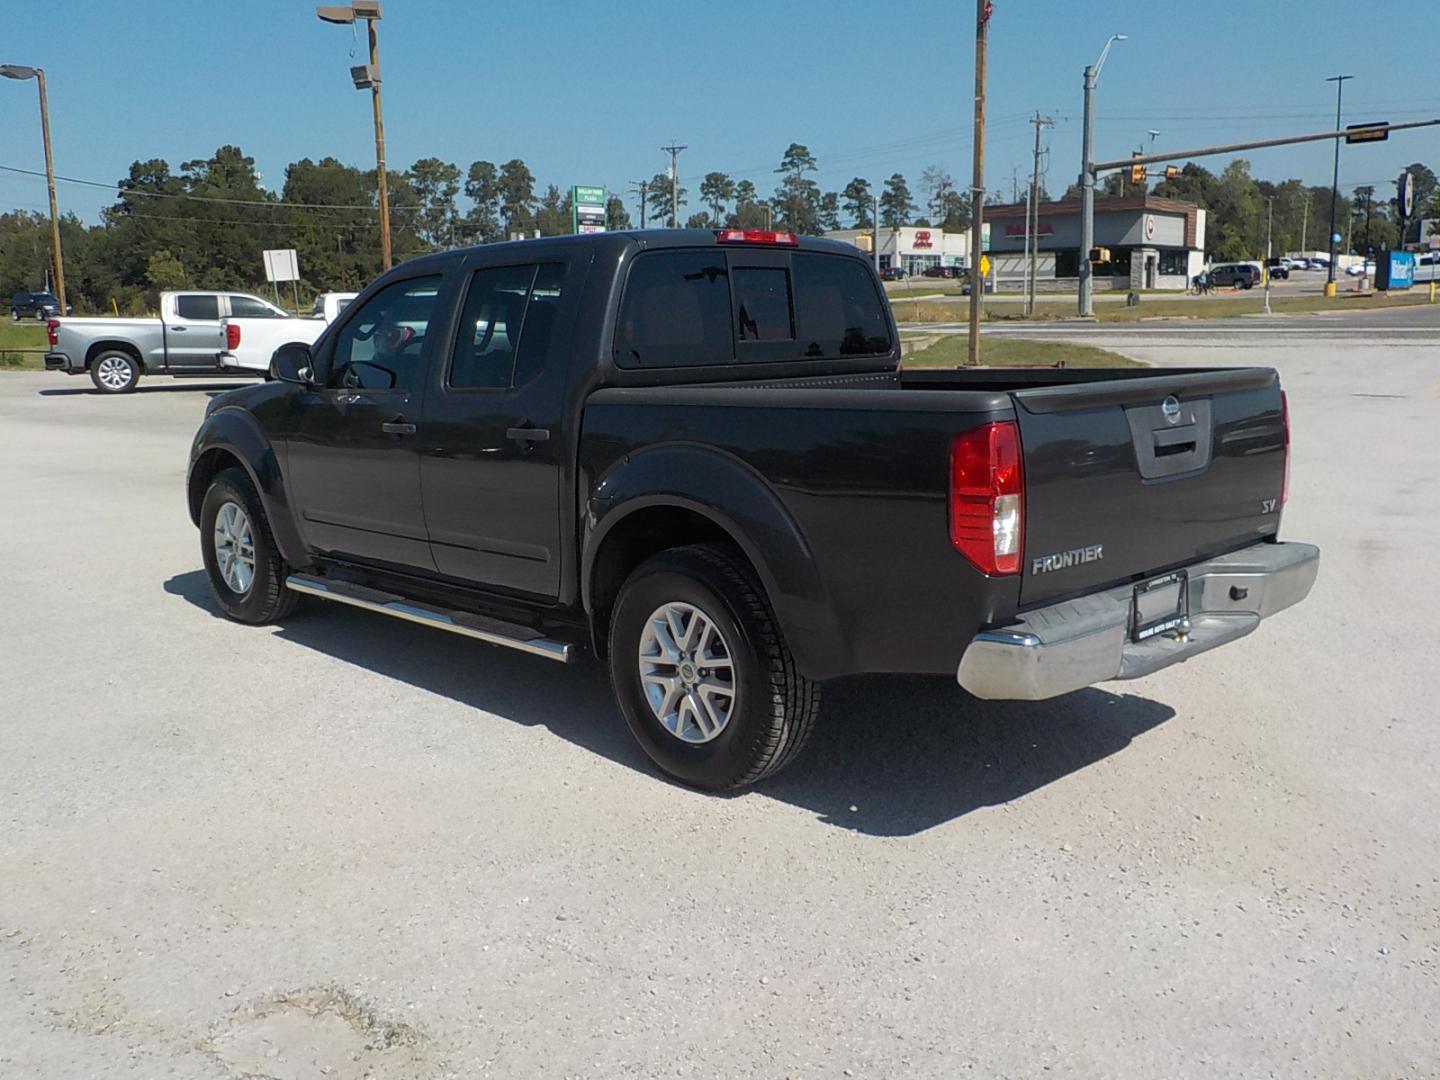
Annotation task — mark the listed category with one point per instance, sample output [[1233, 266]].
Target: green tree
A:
[[554, 217], [858, 201], [517, 197], [659, 196], [164, 272], [436, 184], [617, 217], [797, 199], [337, 248], [896, 205], [482, 188], [717, 189], [699, 220], [829, 211]]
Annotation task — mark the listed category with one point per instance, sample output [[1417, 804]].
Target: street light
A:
[[57, 261], [367, 77], [1087, 177], [1339, 81]]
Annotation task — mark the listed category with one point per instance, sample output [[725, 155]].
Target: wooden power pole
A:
[[983, 9]]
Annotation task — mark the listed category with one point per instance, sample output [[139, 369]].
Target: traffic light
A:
[[1137, 174], [1099, 255], [1172, 172]]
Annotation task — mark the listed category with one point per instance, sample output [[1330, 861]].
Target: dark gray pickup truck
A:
[[694, 454]]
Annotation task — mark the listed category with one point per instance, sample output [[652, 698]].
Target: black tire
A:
[[774, 708], [266, 599], [40, 316], [109, 362]]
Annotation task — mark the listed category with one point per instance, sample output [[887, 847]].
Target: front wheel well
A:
[[209, 465], [641, 535]]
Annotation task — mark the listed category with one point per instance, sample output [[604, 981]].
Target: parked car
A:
[[892, 273], [942, 271], [1365, 269], [196, 333], [34, 305], [1318, 264], [328, 305], [695, 453], [1239, 275], [1279, 269]]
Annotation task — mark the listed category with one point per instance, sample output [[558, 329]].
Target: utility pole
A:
[[367, 77], [57, 260], [1305, 223], [1269, 218], [875, 234], [673, 150], [1032, 237], [1339, 81], [642, 186], [1087, 180], [977, 183]]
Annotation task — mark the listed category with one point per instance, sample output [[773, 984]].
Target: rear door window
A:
[[197, 307], [506, 326], [247, 307]]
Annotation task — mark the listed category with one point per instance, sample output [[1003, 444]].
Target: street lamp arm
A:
[[1106, 52]]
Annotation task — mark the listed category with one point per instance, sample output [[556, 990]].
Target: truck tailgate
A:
[[1126, 478]]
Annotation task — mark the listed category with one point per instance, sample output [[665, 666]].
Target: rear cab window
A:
[[701, 308], [194, 306]]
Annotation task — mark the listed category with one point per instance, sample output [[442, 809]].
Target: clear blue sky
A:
[[587, 93]]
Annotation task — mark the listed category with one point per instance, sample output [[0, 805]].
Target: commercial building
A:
[[913, 248], [1153, 243]]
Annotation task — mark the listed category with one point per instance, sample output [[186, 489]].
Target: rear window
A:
[[694, 308]]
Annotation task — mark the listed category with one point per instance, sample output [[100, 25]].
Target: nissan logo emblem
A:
[[1171, 408]]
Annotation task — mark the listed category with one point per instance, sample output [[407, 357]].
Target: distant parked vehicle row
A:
[[328, 305], [1279, 269], [34, 305], [196, 333]]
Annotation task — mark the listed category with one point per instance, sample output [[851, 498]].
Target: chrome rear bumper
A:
[[1054, 650]]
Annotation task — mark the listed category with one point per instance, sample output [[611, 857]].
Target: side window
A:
[[490, 328], [506, 326], [837, 310], [539, 322], [197, 307], [247, 307], [676, 311], [379, 347]]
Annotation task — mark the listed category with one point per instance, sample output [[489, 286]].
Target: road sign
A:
[[1376, 132], [281, 265], [984, 266], [587, 209]]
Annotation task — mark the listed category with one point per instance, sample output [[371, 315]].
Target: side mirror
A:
[[292, 364]]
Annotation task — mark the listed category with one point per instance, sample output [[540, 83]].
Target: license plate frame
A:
[[1151, 611]]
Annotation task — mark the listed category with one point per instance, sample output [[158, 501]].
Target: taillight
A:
[[755, 236], [50, 331], [1285, 423], [232, 336], [987, 497]]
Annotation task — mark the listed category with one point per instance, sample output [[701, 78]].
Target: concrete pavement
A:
[[354, 845]]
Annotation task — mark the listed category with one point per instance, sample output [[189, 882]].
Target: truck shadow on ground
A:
[[891, 755], [144, 388]]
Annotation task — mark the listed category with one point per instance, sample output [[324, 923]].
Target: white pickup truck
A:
[[196, 334]]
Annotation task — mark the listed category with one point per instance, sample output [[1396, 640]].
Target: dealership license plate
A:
[[1159, 605]]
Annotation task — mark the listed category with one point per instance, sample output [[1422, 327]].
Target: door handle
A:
[[397, 427], [177, 329], [528, 434]]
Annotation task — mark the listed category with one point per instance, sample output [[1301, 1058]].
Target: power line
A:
[[123, 192]]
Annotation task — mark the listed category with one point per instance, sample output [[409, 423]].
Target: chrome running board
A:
[[491, 631]]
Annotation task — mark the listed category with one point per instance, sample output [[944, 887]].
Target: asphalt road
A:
[[354, 845]]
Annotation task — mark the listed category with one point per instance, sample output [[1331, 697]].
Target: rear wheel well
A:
[[643, 534], [113, 346], [206, 468]]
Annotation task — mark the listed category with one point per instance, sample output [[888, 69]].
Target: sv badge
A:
[[1267, 506]]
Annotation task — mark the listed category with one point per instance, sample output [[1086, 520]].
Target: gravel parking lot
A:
[[352, 847]]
